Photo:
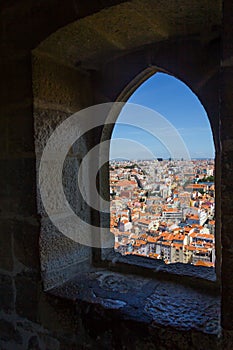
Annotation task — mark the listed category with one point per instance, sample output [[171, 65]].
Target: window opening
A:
[[163, 206]]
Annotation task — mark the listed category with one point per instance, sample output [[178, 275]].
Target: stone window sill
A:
[[188, 274], [152, 302]]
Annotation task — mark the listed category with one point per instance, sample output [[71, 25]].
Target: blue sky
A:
[[176, 108]]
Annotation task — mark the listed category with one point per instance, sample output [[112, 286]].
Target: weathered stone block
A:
[[6, 247], [28, 288], [9, 333], [227, 145], [18, 192], [226, 230], [59, 84], [26, 243], [227, 289], [227, 30], [16, 77], [6, 293], [226, 83], [46, 121], [227, 340], [60, 256], [20, 130], [57, 315], [3, 135], [71, 187]]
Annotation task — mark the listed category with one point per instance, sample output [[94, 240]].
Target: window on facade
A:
[[162, 189]]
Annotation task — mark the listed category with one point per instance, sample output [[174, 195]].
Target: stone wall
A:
[[226, 109], [60, 91]]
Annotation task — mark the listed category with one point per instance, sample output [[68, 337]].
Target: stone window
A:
[[59, 58], [62, 86], [111, 256]]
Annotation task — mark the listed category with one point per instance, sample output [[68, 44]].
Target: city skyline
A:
[[164, 210], [173, 101]]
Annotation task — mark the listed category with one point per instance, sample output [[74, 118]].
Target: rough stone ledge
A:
[[148, 301], [196, 276]]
